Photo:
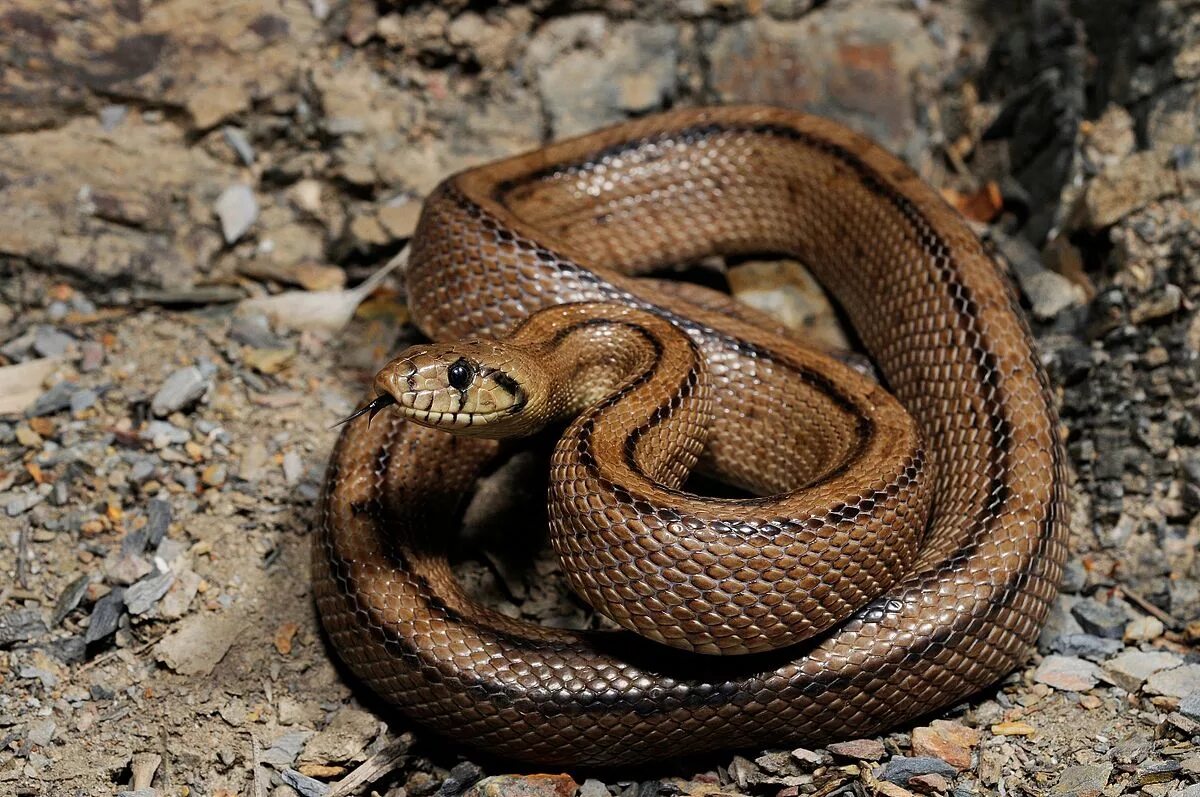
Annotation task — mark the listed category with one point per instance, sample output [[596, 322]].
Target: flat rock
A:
[[343, 739], [1101, 619], [199, 644], [524, 786], [237, 210], [180, 390], [859, 749], [901, 768], [1082, 781], [952, 742], [1088, 646], [1175, 682], [1189, 706], [1067, 673], [1130, 669]]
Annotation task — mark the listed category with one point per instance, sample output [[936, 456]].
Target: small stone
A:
[[197, 646], [811, 758], [1130, 669], [20, 625], [1102, 619], [92, 356], [1083, 781], [27, 437], [105, 616], [1189, 706], [68, 600], [235, 137], [1088, 646], [180, 390], [306, 786], [1177, 682], [593, 788], [1144, 629], [83, 399], [23, 503], [901, 768], [1067, 673], [859, 749], [524, 786], [1158, 772], [268, 361], [140, 597], [112, 115], [41, 732], [49, 342], [237, 210], [55, 399], [929, 784], [293, 468], [1131, 752], [284, 749], [253, 460], [465, 774], [144, 766], [343, 739], [214, 475], [952, 742]]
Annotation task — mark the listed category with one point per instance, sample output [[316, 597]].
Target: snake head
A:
[[477, 388]]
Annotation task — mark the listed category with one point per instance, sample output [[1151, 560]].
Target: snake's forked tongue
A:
[[380, 402]]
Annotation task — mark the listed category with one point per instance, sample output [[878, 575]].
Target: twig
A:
[[1150, 608], [374, 767]]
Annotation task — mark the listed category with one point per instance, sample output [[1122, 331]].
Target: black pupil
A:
[[459, 375]]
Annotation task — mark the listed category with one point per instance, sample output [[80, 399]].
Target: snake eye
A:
[[460, 374]]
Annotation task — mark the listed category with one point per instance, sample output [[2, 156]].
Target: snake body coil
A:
[[904, 555]]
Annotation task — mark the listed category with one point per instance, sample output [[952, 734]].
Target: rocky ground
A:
[[178, 178]]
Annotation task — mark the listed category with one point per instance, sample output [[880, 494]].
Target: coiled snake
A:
[[904, 552]]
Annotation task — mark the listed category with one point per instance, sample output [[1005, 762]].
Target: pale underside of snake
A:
[[902, 552]]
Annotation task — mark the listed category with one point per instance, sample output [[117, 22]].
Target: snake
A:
[[889, 546]]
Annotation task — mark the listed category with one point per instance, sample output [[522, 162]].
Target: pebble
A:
[[1158, 772], [901, 768], [1067, 673], [524, 786], [343, 739], [860, 749], [929, 784], [1131, 752], [1176, 682], [1144, 629], [50, 342], [69, 599], [105, 616], [284, 749], [306, 786], [111, 116], [1088, 646], [23, 503], [180, 390], [162, 434], [83, 399], [20, 625], [465, 774], [952, 742], [41, 732], [237, 210], [92, 356], [293, 468], [593, 788], [1102, 619], [140, 597], [235, 137], [1130, 669], [214, 475], [1189, 706], [55, 399], [198, 644], [1082, 781]]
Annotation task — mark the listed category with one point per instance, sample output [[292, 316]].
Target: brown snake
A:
[[898, 561]]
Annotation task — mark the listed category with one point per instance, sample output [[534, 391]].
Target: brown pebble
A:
[[861, 749], [950, 741], [284, 635], [929, 784], [1013, 729], [524, 786], [321, 771]]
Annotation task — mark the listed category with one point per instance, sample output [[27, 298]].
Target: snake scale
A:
[[897, 555]]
